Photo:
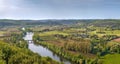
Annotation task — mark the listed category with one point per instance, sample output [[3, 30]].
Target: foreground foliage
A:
[[15, 55]]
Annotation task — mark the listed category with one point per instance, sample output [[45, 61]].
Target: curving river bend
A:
[[43, 51]]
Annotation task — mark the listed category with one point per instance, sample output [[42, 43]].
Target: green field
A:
[[53, 33], [111, 59], [105, 32], [1, 32]]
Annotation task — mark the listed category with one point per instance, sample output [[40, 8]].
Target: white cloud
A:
[[8, 6]]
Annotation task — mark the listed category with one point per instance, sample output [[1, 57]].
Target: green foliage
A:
[[15, 55], [62, 52]]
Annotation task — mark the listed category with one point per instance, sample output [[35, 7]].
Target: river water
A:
[[43, 51]]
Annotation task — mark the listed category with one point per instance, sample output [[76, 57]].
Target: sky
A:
[[60, 9]]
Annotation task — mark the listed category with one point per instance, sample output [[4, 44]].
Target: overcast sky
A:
[[59, 9]]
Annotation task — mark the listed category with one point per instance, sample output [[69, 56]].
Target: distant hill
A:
[[94, 22]]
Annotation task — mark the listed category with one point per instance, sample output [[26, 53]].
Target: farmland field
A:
[[111, 59]]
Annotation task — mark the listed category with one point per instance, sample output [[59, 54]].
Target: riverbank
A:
[[43, 51], [75, 59], [63, 49], [15, 51]]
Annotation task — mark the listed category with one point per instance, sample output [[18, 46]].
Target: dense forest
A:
[[81, 41]]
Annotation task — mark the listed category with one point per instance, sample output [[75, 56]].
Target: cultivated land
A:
[[111, 59]]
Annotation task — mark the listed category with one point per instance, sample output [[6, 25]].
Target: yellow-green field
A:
[[52, 33], [112, 32], [111, 59], [2, 32]]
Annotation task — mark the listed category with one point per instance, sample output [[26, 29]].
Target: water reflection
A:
[[43, 51]]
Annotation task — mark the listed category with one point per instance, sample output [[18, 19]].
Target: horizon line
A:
[[66, 19]]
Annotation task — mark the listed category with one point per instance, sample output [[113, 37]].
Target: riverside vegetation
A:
[[14, 50]]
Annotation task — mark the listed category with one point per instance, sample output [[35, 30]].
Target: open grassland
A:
[[113, 32], [2, 32], [53, 33], [111, 59], [105, 32]]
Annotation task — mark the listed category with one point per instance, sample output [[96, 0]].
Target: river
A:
[[43, 51]]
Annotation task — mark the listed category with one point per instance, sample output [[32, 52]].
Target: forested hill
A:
[[94, 22]]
